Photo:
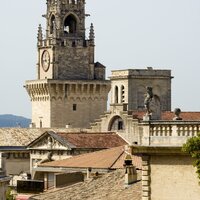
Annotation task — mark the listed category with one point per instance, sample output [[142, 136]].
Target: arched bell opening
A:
[[116, 94], [70, 24], [116, 124], [122, 94]]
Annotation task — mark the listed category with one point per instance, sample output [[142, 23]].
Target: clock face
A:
[[45, 60]]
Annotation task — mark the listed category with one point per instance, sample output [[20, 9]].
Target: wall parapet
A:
[[168, 132]]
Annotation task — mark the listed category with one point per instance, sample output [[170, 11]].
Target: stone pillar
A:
[[45, 181], [146, 193]]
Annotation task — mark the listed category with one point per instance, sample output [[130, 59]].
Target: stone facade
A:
[[70, 87], [167, 174], [60, 103], [173, 177], [129, 86]]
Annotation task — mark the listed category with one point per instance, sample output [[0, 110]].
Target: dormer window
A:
[[70, 24]]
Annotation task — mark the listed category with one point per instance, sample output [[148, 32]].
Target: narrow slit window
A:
[[74, 107]]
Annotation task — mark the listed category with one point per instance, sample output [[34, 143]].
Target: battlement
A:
[[44, 90]]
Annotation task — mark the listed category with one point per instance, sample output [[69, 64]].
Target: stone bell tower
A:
[[70, 87]]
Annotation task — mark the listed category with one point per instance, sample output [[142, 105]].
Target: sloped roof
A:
[[99, 65], [169, 115], [93, 140], [18, 136], [108, 187], [187, 116], [105, 159], [21, 136]]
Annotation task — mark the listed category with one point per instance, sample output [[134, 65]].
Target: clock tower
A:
[[70, 87]]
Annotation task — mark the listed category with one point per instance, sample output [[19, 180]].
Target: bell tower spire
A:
[[70, 84]]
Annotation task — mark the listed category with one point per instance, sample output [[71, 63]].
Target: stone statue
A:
[[177, 112], [152, 104], [149, 96]]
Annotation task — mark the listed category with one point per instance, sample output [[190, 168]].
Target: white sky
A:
[[163, 34]]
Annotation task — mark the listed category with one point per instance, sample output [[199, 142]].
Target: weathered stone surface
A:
[[65, 55], [109, 187]]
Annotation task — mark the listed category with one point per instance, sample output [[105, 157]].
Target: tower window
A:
[[122, 94], [116, 124], [52, 24], [70, 24], [74, 107], [116, 95]]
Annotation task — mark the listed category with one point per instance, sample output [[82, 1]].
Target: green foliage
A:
[[8, 194], [192, 146]]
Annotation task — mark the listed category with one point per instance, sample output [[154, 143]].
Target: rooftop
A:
[[93, 140], [81, 140], [109, 187], [105, 159], [17, 137], [168, 115]]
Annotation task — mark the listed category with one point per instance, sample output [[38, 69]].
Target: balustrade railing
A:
[[169, 133]]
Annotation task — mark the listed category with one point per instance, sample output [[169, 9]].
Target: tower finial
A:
[[91, 35], [39, 36]]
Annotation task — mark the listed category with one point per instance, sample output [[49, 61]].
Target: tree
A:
[[192, 146]]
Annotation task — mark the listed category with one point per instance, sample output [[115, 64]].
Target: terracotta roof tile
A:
[[168, 115], [93, 140], [105, 159], [108, 187], [22, 136], [186, 116]]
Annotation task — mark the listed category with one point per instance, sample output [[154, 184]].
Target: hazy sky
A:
[[163, 34]]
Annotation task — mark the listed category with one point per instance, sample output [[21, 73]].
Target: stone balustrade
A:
[[171, 133]]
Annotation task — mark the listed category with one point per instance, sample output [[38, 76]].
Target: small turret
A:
[[40, 36], [91, 34]]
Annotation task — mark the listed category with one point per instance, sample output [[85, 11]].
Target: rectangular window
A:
[[74, 107]]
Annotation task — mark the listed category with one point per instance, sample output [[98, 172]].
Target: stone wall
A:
[[135, 82], [15, 166], [173, 178], [68, 179], [60, 103]]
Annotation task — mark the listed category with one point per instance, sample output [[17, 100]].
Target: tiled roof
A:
[[187, 116], [105, 159], [109, 187], [168, 115], [18, 136], [93, 140], [21, 136]]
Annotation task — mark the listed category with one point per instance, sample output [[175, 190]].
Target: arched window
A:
[[116, 124], [52, 24], [116, 95], [70, 24]]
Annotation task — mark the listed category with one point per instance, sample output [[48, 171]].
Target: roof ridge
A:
[[90, 153], [86, 132]]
